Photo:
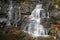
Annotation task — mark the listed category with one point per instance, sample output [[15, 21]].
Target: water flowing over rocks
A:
[[25, 8]]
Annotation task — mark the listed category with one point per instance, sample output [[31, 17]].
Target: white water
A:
[[13, 9], [17, 15], [34, 27], [9, 13]]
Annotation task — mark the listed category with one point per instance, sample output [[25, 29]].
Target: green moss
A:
[[22, 35], [57, 3], [23, 0]]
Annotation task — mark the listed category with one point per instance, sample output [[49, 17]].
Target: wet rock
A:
[[28, 5], [14, 33]]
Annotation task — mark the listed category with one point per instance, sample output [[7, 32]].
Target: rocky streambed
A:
[[12, 33]]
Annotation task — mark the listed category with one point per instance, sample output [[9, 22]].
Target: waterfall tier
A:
[[34, 27]]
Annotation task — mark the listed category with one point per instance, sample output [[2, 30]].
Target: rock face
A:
[[14, 33], [29, 5]]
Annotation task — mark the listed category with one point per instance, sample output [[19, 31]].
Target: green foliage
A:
[[57, 3]]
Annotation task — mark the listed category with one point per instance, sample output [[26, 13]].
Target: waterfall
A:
[[17, 15], [34, 26], [13, 13], [9, 13]]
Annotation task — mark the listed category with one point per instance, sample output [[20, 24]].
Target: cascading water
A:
[[9, 13], [34, 27], [17, 14], [13, 13]]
